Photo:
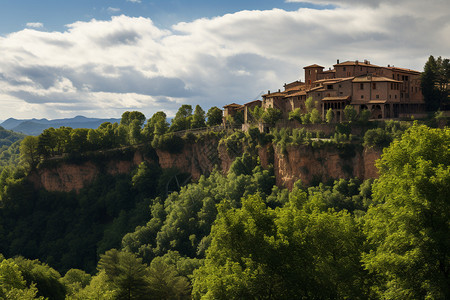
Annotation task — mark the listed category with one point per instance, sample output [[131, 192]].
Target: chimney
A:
[[389, 66], [337, 61], [356, 62], [366, 62], [279, 90], [268, 92]]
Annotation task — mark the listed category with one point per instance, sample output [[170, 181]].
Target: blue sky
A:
[[100, 58]]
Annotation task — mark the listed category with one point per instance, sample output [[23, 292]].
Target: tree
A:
[[364, 116], [330, 116], [261, 253], [315, 116], [129, 116], [271, 116], [182, 120], [214, 116], [12, 284], [198, 118], [350, 113], [126, 273], [435, 82], [408, 224], [29, 151], [165, 282], [156, 125]]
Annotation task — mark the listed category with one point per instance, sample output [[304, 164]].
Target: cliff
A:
[[323, 164], [311, 165]]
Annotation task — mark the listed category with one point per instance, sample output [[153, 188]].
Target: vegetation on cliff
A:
[[234, 235]]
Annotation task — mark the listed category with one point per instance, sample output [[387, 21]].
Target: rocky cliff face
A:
[[303, 162], [323, 164]]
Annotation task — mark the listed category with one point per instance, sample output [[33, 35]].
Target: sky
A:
[[99, 58]]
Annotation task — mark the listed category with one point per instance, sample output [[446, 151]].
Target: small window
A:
[[362, 96], [377, 96], [341, 93], [344, 69], [374, 86], [340, 85], [395, 96], [361, 86], [330, 87]]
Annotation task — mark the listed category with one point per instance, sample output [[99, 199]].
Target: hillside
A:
[[197, 210]]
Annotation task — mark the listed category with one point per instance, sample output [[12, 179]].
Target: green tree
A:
[[75, 280], [350, 113], [330, 116], [126, 273], [315, 116], [12, 284], [214, 116], [408, 224], [198, 118], [182, 119], [271, 116], [156, 125], [165, 282], [29, 151], [435, 82], [364, 116]]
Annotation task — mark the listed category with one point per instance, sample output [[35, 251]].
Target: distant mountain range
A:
[[36, 126]]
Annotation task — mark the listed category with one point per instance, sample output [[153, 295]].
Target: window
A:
[[344, 69], [340, 85], [377, 96], [329, 87], [361, 86], [341, 93], [395, 96], [309, 72], [362, 96], [374, 86]]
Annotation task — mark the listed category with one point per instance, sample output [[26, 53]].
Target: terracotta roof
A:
[[276, 94], [374, 78], [354, 63], [403, 70], [315, 88], [313, 66], [331, 80], [300, 93], [232, 105], [336, 98], [345, 79], [251, 102]]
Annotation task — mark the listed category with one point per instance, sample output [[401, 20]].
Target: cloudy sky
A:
[[99, 58]]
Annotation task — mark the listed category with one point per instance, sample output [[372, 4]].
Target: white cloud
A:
[[102, 68], [113, 10], [134, 1], [35, 25]]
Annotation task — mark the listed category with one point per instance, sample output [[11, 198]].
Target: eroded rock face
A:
[[320, 165], [309, 164], [65, 177]]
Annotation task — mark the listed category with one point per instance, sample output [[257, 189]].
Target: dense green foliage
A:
[[435, 81], [227, 236]]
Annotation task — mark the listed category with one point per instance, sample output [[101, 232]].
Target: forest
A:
[[226, 236]]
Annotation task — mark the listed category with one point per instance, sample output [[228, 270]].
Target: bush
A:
[[168, 142], [377, 138]]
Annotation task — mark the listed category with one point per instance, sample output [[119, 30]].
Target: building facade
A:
[[387, 92]]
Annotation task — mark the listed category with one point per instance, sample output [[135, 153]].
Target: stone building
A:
[[387, 92]]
